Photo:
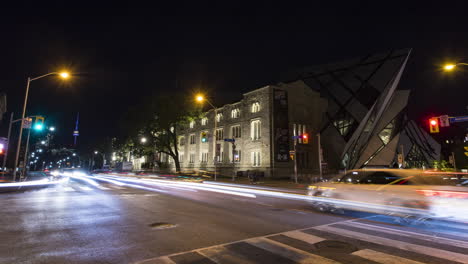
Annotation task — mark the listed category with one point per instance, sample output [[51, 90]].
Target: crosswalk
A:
[[352, 241], [81, 188]]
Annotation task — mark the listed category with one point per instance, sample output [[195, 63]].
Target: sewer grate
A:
[[335, 246], [162, 225]]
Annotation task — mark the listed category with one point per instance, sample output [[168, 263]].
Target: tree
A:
[[159, 120]]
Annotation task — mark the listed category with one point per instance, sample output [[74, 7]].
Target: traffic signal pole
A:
[[7, 147], [21, 129]]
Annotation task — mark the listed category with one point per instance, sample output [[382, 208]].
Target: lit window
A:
[[255, 107], [235, 113], [192, 139], [255, 129], [192, 158], [192, 124], [182, 141], [204, 121], [219, 134], [181, 157], [219, 117], [236, 131], [299, 129], [256, 159]]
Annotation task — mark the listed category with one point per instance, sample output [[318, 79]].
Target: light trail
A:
[[43, 182]]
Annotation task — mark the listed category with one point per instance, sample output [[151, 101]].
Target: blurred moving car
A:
[[397, 191]]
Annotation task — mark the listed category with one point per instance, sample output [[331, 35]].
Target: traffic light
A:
[[204, 137], [305, 138], [434, 125], [39, 125]]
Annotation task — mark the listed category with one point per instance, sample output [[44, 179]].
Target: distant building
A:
[[262, 125], [356, 107]]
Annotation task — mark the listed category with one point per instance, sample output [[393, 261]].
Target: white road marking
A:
[[289, 252], [85, 188], [311, 239], [383, 258], [222, 255], [431, 238], [435, 252]]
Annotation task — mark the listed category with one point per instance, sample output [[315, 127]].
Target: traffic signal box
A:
[[305, 138], [39, 125], [204, 137], [434, 125]]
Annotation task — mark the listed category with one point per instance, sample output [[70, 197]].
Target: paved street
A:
[[116, 221]]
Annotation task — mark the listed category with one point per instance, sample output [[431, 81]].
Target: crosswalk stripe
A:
[[85, 188], [397, 244], [222, 255], [311, 239], [286, 251], [431, 238], [383, 258]]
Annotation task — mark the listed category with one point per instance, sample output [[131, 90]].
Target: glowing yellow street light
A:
[[452, 66], [200, 98], [64, 75]]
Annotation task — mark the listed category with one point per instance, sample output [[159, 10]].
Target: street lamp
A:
[[200, 99], [63, 75], [96, 152], [143, 140], [74, 154], [43, 142], [452, 66], [52, 129]]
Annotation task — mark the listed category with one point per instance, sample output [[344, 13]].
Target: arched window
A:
[[235, 113], [255, 107], [192, 124], [219, 117], [204, 121]]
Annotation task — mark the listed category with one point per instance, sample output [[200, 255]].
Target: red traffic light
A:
[[434, 125], [433, 122]]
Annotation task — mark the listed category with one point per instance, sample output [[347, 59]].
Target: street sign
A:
[[27, 122], [230, 140], [444, 121]]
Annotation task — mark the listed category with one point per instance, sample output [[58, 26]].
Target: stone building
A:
[[262, 126]]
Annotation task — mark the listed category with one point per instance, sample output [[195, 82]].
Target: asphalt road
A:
[[132, 222]]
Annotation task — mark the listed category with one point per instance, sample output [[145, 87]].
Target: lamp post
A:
[[63, 75], [200, 99], [452, 66]]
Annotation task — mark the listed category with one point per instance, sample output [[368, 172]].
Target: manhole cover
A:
[[335, 246], [162, 225]]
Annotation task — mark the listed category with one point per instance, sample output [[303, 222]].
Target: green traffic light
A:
[[38, 127]]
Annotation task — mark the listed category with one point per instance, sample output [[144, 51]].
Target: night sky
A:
[[120, 54]]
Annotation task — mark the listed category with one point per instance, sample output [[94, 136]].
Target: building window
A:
[[204, 157], [219, 134], [344, 122], [192, 158], [256, 159], [181, 157], [182, 141], [192, 139], [237, 155], [236, 131], [299, 129], [204, 121], [192, 124], [219, 117], [255, 129], [235, 113], [255, 107]]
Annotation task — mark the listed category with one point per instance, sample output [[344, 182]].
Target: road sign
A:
[[27, 122], [444, 121], [230, 140]]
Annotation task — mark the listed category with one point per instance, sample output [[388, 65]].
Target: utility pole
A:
[[295, 160], [8, 142], [319, 155]]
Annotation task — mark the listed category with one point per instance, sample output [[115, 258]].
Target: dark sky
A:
[[122, 53]]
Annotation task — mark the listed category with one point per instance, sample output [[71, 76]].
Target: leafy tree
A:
[[159, 120]]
